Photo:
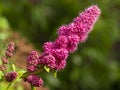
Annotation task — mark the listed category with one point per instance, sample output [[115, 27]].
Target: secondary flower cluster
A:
[[10, 76], [10, 49], [32, 63], [35, 80], [69, 36], [8, 53]]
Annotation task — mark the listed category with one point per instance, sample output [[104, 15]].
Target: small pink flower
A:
[[4, 60], [63, 30], [10, 76], [35, 80], [31, 68], [73, 41], [60, 64], [61, 42], [32, 59], [10, 49], [60, 54], [47, 60], [47, 47]]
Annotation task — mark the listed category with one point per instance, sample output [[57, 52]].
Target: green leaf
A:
[[55, 74], [33, 88], [3, 35], [20, 73], [13, 67], [4, 24], [1, 74], [47, 69]]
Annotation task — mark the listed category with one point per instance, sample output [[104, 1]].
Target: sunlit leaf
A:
[[4, 23], [13, 67], [55, 74], [47, 69], [1, 74]]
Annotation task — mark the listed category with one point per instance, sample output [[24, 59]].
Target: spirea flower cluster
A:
[[69, 36], [8, 54], [35, 80], [56, 53], [32, 61], [10, 49], [5, 60], [10, 76]]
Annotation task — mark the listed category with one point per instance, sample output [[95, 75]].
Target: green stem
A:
[[33, 88], [27, 73]]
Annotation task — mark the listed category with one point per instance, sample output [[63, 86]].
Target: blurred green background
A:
[[96, 63]]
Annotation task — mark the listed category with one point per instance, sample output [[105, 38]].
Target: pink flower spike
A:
[[81, 25], [69, 36]]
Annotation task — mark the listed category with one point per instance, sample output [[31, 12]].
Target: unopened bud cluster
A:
[[8, 54], [10, 49], [35, 80], [32, 63], [10, 76]]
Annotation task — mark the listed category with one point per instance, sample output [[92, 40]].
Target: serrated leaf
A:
[[20, 73], [47, 69]]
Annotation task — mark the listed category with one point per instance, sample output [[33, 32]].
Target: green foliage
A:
[[13, 67]]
